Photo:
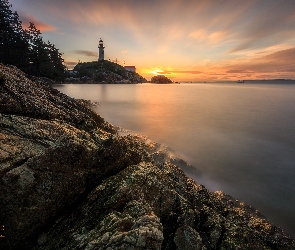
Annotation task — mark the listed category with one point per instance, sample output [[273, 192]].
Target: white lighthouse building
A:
[[100, 50]]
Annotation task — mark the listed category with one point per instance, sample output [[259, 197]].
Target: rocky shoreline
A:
[[102, 72], [69, 180]]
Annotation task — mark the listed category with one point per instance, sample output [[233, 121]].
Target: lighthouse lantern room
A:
[[100, 50]]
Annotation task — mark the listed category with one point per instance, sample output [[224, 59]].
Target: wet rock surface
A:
[[68, 180]]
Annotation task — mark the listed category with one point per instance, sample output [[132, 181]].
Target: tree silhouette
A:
[[26, 48], [13, 42]]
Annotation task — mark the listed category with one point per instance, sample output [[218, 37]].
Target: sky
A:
[[188, 40]]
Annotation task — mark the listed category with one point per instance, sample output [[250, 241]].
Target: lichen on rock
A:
[[69, 180]]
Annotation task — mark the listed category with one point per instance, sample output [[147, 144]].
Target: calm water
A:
[[239, 137]]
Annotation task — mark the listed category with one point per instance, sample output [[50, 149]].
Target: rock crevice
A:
[[69, 180]]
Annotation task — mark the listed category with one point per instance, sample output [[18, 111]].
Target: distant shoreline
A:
[[276, 81]]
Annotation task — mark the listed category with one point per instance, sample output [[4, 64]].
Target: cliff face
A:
[[69, 181]]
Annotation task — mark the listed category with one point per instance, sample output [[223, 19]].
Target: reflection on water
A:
[[240, 138]]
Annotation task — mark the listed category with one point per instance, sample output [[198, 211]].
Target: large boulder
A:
[[53, 150], [68, 180]]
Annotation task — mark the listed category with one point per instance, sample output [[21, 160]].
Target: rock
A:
[[104, 72], [160, 79], [68, 180], [187, 238], [50, 155]]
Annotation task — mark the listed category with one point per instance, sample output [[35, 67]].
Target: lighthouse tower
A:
[[100, 50]]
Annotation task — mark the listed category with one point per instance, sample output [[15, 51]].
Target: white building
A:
[[130, 68], [100, 50]]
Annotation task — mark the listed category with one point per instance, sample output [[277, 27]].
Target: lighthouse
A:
[[100, 50]]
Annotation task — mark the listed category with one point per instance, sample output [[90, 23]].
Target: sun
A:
[[157, 72]]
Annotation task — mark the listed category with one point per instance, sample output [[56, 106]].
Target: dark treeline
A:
[[25, 48]]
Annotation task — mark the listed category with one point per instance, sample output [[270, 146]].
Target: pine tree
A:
[[26, 48], [45, 59], [13, 43], [38, 56], [57, 62]]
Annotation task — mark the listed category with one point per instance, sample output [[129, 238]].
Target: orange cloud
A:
[[185, 72], [238, 71], [199, 34], [283, 56], [205, 38], [279, 64], [43, 27], [170, 72], [217, 36]]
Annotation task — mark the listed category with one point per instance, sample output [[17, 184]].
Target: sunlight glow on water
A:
[[240, 138]]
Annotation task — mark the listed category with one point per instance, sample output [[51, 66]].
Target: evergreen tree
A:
[[13, 42], [38, 56], [56, 61], [26, 48]]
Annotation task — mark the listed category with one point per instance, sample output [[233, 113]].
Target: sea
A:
[[238, 137]]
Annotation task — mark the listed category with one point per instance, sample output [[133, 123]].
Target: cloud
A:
[[199, 34], [205, 35], [279, 64], [269, 23], [168, 72], [217, 74], [26, 18], [71, 63], [238, 37], [280, 61], [238, 71], [187, 72], [218, 36], [284, 56], [242, 24], [124, 51], [86, 53]]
